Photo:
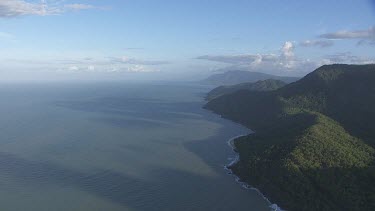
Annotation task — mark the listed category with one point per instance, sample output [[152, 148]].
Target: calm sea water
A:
[[115, 146]]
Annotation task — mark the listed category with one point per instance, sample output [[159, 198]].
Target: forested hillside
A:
[[314, 143], [266, 85]]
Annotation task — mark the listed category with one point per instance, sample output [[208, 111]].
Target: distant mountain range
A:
[[314, 143], [240, 76], [260, 86]]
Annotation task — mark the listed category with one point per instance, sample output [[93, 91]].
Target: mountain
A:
[[266, 85], [240, 76], [313, 148]]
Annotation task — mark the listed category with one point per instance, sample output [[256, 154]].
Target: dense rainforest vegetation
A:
[[265, 85], [313, 146]]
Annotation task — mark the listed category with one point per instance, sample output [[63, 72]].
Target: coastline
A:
[[234, 160]]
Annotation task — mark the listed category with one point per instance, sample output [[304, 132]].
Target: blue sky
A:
[[172, 39]]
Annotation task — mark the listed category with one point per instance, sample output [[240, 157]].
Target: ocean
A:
[[116, 146]]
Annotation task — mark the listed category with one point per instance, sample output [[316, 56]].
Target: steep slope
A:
[[266, 85], [237, 76], [314, 166], [345, 93], [313, 146]]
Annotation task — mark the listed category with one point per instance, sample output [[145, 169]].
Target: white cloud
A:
[[14, 8], [232, 59], [257, 61], [128, 60], [285, 63], [79, 6], [316, 43], [140, 69], [288, 49], [73, 68], [285, 60], [347, 57], [91, 68], [365, 36], [357, 34], [90, 65], [287, 57]]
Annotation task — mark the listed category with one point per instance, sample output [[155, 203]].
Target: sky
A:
[[180, 40]]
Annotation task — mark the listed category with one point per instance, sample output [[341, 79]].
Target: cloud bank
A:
[[358, 34], [92, 65], [365, 36], [347, 57], [127, 60], [285, 62]]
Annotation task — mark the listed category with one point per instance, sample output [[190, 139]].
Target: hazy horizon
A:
[[175, 40]]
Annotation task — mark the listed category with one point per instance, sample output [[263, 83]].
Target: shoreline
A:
[[234, 160]]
